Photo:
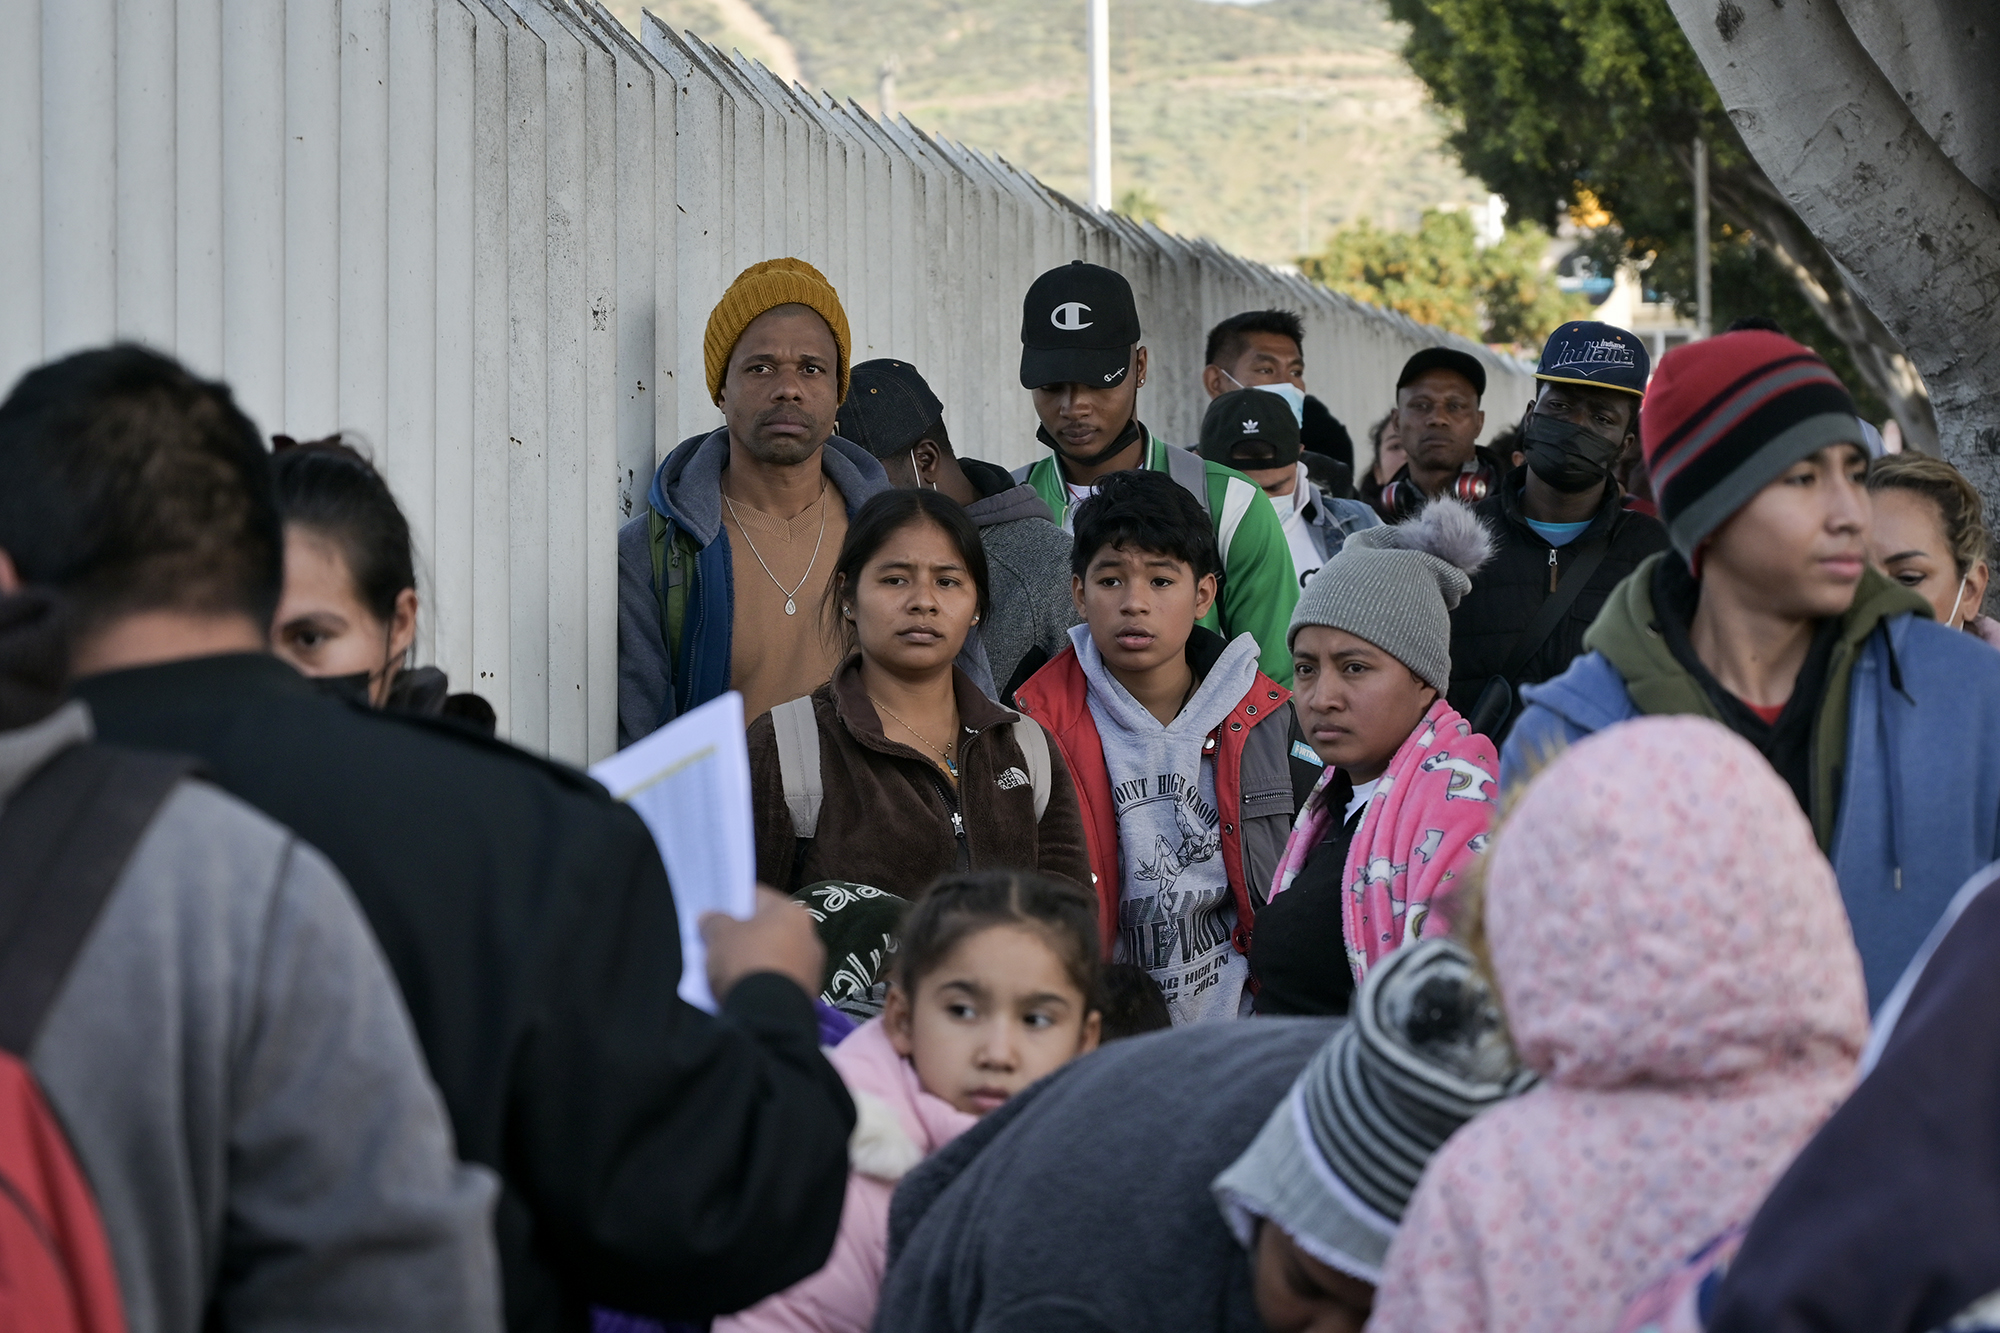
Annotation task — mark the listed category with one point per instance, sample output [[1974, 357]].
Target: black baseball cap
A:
[[1254, 422], [888, 408], [1445, 358], [1078, 326], [1603, 356]]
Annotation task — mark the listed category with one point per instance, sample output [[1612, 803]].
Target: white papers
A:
[[690, 782]]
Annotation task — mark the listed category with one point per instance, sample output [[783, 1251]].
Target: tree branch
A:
[[1917, 240]]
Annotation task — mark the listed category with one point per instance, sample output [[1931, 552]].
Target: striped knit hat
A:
[[1724, 417], [1337, 1162]]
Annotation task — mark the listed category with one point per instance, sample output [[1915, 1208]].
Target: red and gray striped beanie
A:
[[1724, 417]]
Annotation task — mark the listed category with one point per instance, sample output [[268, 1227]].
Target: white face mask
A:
[[1951, 620], [917, 472], [1293, 395]]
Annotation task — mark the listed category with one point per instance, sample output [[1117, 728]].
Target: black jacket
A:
[[1508, 592], [654, 1158], [1885, 1221]]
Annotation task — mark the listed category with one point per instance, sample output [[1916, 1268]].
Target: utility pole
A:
[[885, 88], [1703, 307], [1305, 241], [1100, 104]]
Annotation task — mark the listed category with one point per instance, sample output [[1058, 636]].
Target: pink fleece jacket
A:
[[1675, 962], [897, 1125]]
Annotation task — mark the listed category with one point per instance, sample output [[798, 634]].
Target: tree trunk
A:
[[1915, 238]]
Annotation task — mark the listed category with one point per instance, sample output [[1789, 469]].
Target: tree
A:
[[1553, 98], [1893, 166], [1440, 275]]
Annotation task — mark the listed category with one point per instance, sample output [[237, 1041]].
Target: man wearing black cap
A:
[[1080, 354], [1439, 420], [1255, 432], [1563, 538], [891, 412]]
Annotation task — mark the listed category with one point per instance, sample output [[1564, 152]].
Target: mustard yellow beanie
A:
[[763, 287]]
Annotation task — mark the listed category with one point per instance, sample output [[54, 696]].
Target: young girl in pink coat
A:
[[995, 981], [1674, 961]]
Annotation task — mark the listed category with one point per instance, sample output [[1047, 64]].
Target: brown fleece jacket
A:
[[886, 819]]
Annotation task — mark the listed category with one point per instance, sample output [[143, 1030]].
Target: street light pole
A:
[[1100, 103], [1703, 317]]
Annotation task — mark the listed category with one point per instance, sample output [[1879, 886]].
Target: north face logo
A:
[[1013, 778]]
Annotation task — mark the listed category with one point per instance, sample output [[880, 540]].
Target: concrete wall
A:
[[485, 235]]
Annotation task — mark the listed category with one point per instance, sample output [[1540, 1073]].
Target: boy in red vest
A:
[[1176, 741]]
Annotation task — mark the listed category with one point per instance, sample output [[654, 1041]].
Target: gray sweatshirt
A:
[[241, 1086], [1027, 570]]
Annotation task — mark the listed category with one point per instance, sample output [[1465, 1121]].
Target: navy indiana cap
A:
[[1602, 356]]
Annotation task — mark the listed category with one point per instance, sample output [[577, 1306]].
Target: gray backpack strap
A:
[[798, 763], [1191, 471], [1034, 743]]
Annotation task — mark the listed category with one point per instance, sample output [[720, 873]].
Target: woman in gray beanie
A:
[[1407, 794], [1319, 1194]]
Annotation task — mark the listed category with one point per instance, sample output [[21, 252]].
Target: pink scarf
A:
[[1424, 824]]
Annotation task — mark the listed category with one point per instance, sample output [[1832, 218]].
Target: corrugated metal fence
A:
[[485, 235]]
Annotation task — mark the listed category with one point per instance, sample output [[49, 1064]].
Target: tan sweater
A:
[[773, 656]]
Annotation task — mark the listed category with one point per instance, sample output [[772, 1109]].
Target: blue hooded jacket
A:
[[656, 682], [1911, 810]]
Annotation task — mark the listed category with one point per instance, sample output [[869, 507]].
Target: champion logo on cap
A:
[[1069, 316], [1596, 352]]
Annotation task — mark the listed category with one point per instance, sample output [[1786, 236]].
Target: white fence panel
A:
[[485, 236]]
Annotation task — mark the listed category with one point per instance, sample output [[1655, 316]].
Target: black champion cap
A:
[[888, 408], [1078, 326], [1604, 356], [1250, 428]]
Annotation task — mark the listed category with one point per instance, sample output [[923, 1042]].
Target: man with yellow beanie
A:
[[720, 581]]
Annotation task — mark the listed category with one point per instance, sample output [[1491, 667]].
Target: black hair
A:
[[957, 907], [1226, 340], [1131, 1001], [1763, 322], [882, 518], [329, 486], [129, 484], [1147, 511], [1376, 431], [939, 436]]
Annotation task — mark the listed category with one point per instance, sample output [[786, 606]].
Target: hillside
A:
[[1208, 99]]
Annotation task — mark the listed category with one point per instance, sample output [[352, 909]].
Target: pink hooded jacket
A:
[[1675, 962], [897, 1125]]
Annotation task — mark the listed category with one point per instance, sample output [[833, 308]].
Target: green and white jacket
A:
[[1259, 588]]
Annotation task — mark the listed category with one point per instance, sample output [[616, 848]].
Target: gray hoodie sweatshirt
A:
[[240, 1084], [1027, 568]]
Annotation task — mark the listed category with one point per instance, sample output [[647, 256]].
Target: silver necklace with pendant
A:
[[791, 595]]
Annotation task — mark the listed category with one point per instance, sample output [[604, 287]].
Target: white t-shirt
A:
[[1077, 495], [1360, 798], [1306, 558]]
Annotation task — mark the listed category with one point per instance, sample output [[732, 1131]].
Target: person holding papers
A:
[[899, 769], [651, 1157]]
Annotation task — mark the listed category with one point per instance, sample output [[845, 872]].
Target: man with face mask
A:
[[1082, 361], [1265, 349], [1562, 536]]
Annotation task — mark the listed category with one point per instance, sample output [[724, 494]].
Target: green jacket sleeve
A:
[[1259, 586]]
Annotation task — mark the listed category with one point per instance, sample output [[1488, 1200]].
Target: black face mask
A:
[[1125, 440], [1567, 457]]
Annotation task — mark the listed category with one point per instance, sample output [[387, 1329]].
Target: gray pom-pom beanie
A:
[[1395, 586]]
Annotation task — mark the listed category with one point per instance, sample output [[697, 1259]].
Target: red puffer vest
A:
[[1057, 697]]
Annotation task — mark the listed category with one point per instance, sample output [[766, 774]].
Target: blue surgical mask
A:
[[1285, 389]]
